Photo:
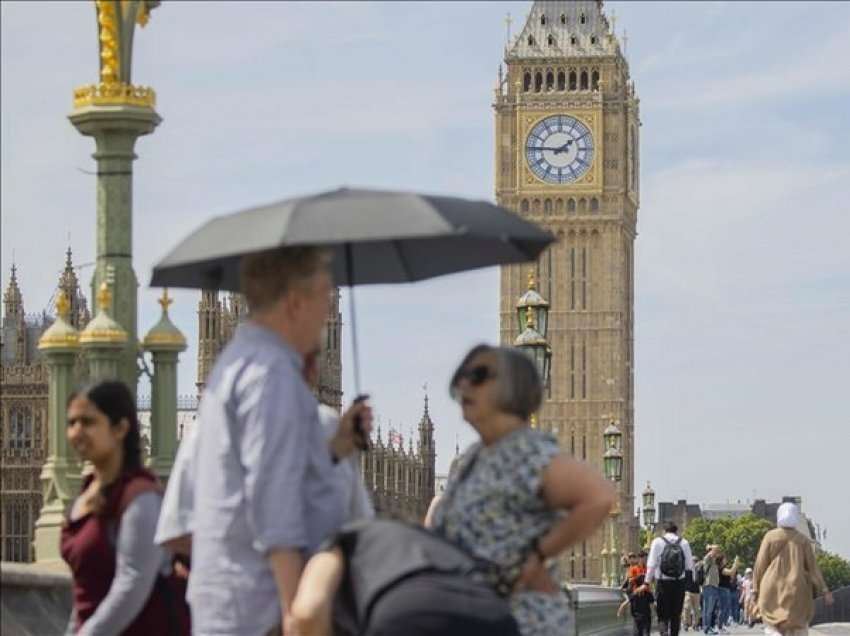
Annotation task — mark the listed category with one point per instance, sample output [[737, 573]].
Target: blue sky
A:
[[742, 273]]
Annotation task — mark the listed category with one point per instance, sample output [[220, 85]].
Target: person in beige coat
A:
[[786, 577]]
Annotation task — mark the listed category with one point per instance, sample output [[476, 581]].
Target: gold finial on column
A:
[[104, 297], [63, 305], [531, 282], [165, 301], [108, 22]]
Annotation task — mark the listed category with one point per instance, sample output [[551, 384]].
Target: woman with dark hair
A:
[[514, 499], [122, 581]]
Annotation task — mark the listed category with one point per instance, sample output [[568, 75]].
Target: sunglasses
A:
[[476, 375]]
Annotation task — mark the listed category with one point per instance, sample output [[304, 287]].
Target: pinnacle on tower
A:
[[12, 299]]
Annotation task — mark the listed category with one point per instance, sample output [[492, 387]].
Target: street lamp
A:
[[649, 510], [612, 462], [533, 316]]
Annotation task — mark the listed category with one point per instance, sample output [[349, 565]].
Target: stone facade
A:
[[400, 480], [23, 411], [566, 67]]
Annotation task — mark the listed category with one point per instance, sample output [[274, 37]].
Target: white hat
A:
[[788, 515]]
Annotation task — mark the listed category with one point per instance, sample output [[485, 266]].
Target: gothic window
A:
[[563, 18], [573, 40], [573, 384], [524, 205], [526, 82], [535, 206], [20, 428], [538, 82], [583, 390], [633, 164], [594, 80], [573, 443], [584, 80], [16, 530], [593, 39], [573, 84], [583, 446], [571, 206], [543, 20], [583, 19], [584, 277], [562, 80], [559, 206], [550, 80], [582, 205], [547, 207], [530, 40], [550, 41], [594, 204], [572, 277]]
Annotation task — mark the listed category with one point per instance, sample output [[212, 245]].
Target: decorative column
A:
[[60, 475], [116, 113], [612, 461], [165, 342], [103, 341]]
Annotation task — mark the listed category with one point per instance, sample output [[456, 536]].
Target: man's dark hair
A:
[[671, 527], [643, 553]]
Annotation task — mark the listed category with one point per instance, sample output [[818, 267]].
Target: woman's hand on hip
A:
[[534, 577]]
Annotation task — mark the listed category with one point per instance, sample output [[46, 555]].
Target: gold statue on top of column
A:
[[116, 24]]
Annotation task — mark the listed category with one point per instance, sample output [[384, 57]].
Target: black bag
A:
[[673, 559], [699, 575]]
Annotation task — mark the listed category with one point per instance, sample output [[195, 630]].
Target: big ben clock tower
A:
[[567, 159]]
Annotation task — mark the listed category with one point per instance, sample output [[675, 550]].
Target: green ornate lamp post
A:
[[60, 475], [612, 462], [532, 312], [165, 342], [103, 340], [116, 113], [649, 512]]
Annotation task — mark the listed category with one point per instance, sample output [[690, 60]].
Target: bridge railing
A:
[[595, 611], [838, 613]]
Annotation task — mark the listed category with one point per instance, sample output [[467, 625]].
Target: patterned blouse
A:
[[494, 509]]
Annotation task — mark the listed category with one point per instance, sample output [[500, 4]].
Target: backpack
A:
[[673, 559], [699, 574]]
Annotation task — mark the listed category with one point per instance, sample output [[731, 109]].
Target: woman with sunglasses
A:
[[507, 499], [122, 582]]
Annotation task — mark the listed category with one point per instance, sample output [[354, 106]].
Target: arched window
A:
[[550, 41], [594, 80], [593, 39], [582, 205], [583, 19], [538, 82], [573, 40], [20, 428], [526, 82], [573, 81], [563, 18], [559, 206], [543, 20], [550, 80], [547, 207], [530, 40], [594, 204], [571, 206], [524, 208], [535, 206], [562, 81], [584, 80]]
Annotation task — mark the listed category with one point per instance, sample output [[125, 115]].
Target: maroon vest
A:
[[89, 545]]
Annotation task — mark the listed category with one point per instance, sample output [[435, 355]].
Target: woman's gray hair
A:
[[518, 390]]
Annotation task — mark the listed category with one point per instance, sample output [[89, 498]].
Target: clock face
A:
[[559, 149]]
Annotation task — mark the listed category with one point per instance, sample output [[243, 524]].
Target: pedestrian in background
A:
[[122, 582], [692, 610], [786, 577], [670, 563]]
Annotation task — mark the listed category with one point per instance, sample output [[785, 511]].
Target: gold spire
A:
[[531, 283], [102, 329], [164, 335], [60, 335]]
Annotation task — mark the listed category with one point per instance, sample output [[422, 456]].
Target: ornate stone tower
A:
[[209, 335], [567, 158]]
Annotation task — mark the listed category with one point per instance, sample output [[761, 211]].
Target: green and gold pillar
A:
[[103, 340], [60, 475], [165, 342]]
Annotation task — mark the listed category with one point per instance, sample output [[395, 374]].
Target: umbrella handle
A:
[[349, 275]]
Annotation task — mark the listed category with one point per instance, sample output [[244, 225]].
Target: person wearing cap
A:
[[785, 575]]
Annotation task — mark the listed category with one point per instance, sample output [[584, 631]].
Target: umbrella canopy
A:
[[376, 236]]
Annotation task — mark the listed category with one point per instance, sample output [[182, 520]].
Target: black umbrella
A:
[[376, 237]]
